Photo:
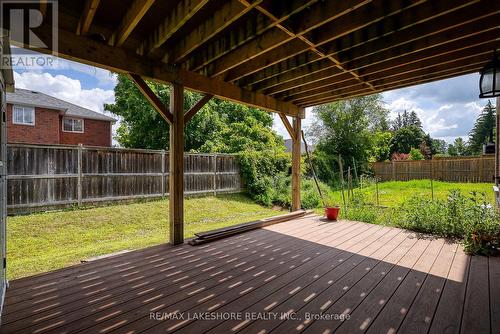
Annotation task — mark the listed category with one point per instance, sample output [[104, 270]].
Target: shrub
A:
[[415, 154]]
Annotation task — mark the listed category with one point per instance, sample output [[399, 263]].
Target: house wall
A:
[[96, 133], [45, 131]]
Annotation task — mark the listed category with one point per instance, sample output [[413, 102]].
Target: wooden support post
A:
[[176, 172], [497, 143], [296, 152], [163, 173], [215, 174], [79, 184]]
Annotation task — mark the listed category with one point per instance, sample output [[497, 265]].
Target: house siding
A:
[[96, 133], [45, 131]]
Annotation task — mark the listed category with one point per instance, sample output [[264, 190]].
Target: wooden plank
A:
[[396, 308], [448, 315], [494, 279], [194, 109], [134, 14], [87, 17], [176, 172], [476, 313], [296, 154], [421, 313], [174, 20]]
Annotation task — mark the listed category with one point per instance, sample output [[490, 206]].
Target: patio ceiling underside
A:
[[282, 55]]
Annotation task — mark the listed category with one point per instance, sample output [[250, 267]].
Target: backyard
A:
[[47, 241]]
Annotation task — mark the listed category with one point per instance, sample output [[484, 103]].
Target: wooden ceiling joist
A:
[[174, 20], [420, 14], [89, 11], [134, 14]]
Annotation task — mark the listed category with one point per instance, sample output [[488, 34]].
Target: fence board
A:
[[460, 169], [47, 177]]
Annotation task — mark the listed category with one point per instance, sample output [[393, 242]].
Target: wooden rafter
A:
[[89, 11], [288, 126], [194, 109], [151, 97], [174, 20], [230, 12], [81, 48], [399, 24], [134, 14]]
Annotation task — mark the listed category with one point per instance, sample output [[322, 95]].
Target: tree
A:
[[381, 146], [406, 138], [440, 146], [458, 148], [345, 128], [220, 126], [483, 129], [416, 154]]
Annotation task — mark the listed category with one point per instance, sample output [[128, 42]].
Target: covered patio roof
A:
[[279, 55]]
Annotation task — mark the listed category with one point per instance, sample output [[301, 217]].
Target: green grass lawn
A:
[[393, 193], [46, 241]]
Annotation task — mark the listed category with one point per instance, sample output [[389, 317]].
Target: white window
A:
[[72, 124], [23, 115]]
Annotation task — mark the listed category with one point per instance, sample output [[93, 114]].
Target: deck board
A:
[[384, 279]]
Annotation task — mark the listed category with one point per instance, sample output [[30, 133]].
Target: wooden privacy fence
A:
[[460, 169], [45, 177]]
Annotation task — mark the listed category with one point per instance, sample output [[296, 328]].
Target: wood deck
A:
[[306, 275]]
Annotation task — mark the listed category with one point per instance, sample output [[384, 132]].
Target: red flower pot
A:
[[331, 213]]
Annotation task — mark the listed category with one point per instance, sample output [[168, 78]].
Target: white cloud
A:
[[65, 88]]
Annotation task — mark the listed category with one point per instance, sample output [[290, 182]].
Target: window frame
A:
[[73, 125], [33, 114]]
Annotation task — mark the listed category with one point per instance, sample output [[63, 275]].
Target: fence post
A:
[[393, 170], [481, 170], [215, 174], [79, 185], [162, 173]]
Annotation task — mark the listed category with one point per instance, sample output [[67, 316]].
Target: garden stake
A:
[[312, 168], [342, 182], [376, 187], [432, 190]]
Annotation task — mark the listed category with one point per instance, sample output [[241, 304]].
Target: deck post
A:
[[497, 143], [176, 168], [296, 152]]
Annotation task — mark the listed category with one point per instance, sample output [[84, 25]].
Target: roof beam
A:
[[461, 49], [391, 24], [134, 14], [88, 51], [363, 64], [345, 22], [148, 93], [194, 109], [287, 125], [230, 12], [87, 17], [274, 38], [231, 44], [174, 20]]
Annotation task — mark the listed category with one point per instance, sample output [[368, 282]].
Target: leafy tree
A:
[[440, 146], [220, 126], [406, 138], [458, 148], [483, 129], [416, 154], [425, 150], [381, 146], [345, 128]]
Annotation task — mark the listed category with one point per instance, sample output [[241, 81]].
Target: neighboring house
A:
[[288, 145], [37, 118]]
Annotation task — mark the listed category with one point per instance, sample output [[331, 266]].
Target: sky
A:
[[447, 108]]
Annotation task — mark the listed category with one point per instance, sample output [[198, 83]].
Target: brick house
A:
[[37, 118]]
